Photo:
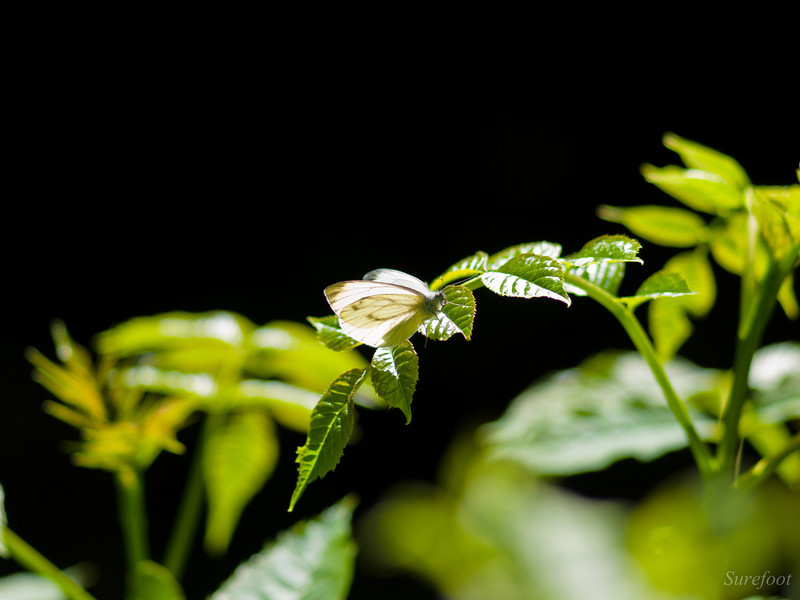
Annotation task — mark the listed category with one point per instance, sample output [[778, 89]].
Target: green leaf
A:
[[541, 248], [330, 334], [775, 381], [238, 458], [289, 404], [528, 276], [331, 426], [172, 330], [661, 284], [456, 315], [152, 581], [394, 372], [779, 229], [701, 190], [606, 275], [606, 249], [663, 225], [314, 560], [586, 418], [668, 318], [697, 156]]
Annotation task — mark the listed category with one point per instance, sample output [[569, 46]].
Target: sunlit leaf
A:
[[456, 316], [331, 426], [701, 190], [528, 276], [394, 372], [542, 248], [606, 275], [312, 561], [730, 247], [331, 335], [238, 458], [779, 230], [669, 326], [289, 404], [788, 297], [697, 156], [151, 581], [661, 284], [606, 248], [663, 225], [586, 418]]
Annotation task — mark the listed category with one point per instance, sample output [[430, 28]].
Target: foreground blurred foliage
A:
[[491, 530]]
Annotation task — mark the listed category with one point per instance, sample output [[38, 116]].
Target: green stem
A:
[[33, 561], [133, 515], [751, 329], [645, 348], [190, 509], [767, 465]]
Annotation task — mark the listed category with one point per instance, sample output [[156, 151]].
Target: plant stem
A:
[[751, 329], [189, 511], [645, 348], [28, 557], [767, 465], [133, 515]]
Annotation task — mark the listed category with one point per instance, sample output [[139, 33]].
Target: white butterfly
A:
[[383, 309]]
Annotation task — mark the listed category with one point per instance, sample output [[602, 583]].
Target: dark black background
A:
[[244, 167]]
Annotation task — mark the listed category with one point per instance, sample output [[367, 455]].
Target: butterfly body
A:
[[383, 309]]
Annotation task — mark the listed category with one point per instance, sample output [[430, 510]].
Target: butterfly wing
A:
[[377, 313], [399, 278]]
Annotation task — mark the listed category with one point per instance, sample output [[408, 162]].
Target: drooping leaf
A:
[[152, 581], [331, 426], [238, 458], [394, 372], [314, 560], [584, 419], [528, 276], [703, 191], [703, 158], [663, 225], [456, 316]]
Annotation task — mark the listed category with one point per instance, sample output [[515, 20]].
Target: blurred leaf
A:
[[528, 276], [332, 423], [779, 229], [290, 405], [394, 372], [669, 326], [152, 581], [503, 534], [730, 248], [238, 459], [703, 191], [456, 316], [173, 330], [312, 561], [27, 586], [775, 380], [788, 298], [697, 156], [75, 387], [586, 418], [291, 352], [663, 225], [688, 540]]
